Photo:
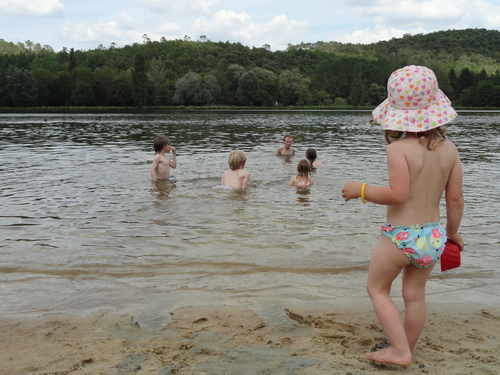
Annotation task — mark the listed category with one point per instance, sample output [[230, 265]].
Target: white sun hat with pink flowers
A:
[[414, 103]]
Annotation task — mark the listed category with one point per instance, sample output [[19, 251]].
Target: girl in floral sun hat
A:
[[415, 103], [422, 164]]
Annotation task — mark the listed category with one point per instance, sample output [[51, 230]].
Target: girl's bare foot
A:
[[390, 355]]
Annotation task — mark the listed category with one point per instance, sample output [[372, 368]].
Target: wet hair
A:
[[304, 167], [160, 142], [311, 154], [436, 134], [287, 136], [236, 158]]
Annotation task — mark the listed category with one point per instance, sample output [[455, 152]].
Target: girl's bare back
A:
[[428, 172]]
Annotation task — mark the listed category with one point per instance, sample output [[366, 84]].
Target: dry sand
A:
[[458, 339]]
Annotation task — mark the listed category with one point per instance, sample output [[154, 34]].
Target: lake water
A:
[[83, 227]]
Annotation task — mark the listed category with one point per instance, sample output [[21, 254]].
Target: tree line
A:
[[201, 72]]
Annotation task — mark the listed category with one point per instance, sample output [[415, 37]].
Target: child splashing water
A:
[[303, 179], [422, 164]]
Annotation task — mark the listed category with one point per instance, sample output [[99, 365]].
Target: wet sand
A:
[[231, 340]]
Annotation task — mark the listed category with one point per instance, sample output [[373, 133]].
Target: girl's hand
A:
[[457, 238], [174, 151], [351, 190]]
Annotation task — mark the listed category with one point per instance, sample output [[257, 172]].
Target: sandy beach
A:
[[232, 340]]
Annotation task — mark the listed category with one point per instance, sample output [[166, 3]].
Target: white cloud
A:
[[240, 27], [100, 33], [169, 30], [483, 14], [381, 20], [89, 23], [429, 14], [127, 21], [205, 7], [179, 8], [32, 8], [373, 35]]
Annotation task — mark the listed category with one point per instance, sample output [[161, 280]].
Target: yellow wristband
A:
[[363, 192]]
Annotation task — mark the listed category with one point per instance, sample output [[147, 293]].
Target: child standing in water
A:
[[237, 177], [287, 148], [303, 178], [422, 164], [160, 168]]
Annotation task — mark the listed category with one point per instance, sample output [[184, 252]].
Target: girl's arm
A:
[[396, 192], [454, 203]]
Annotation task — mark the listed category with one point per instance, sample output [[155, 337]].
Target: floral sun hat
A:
[[414, 103]]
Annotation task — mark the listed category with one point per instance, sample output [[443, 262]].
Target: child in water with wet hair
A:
[[303, 177], [160, 168], [312, 155], [236, 177], [422, 164], [287, 148]]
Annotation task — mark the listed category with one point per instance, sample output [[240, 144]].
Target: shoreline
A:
[[71, 110], [459, 338]]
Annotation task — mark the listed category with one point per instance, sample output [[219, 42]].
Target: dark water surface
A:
[[83, 228]]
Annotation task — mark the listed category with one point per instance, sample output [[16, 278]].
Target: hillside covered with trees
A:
[[198, 73]]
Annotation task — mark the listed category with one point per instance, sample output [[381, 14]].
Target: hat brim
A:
[[415, 120]]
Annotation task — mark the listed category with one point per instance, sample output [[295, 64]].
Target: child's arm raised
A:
[[173, 161]]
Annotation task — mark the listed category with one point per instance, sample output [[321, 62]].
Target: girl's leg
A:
[[414, 280], [386, 263]]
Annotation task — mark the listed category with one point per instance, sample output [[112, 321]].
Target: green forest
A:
[[217, 74]]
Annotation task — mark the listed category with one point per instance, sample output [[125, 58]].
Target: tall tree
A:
[[466, 79], [21, 89], [209, 89], [44, 82], [455, 90], [357, 95], [156, 74], [232, 77], [247, 88], [139, 81], [188, 90], [291, 84], [83, 91]]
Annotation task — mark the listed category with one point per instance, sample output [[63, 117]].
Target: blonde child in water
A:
[[422, 164], [303, 177], [236, 177], [160, 168]]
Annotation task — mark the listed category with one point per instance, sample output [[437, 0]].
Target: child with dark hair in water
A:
[[160, 168], [312, 155]]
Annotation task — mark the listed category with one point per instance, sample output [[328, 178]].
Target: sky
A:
[[88, 24]]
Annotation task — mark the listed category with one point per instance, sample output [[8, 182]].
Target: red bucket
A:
[[451, 256]]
